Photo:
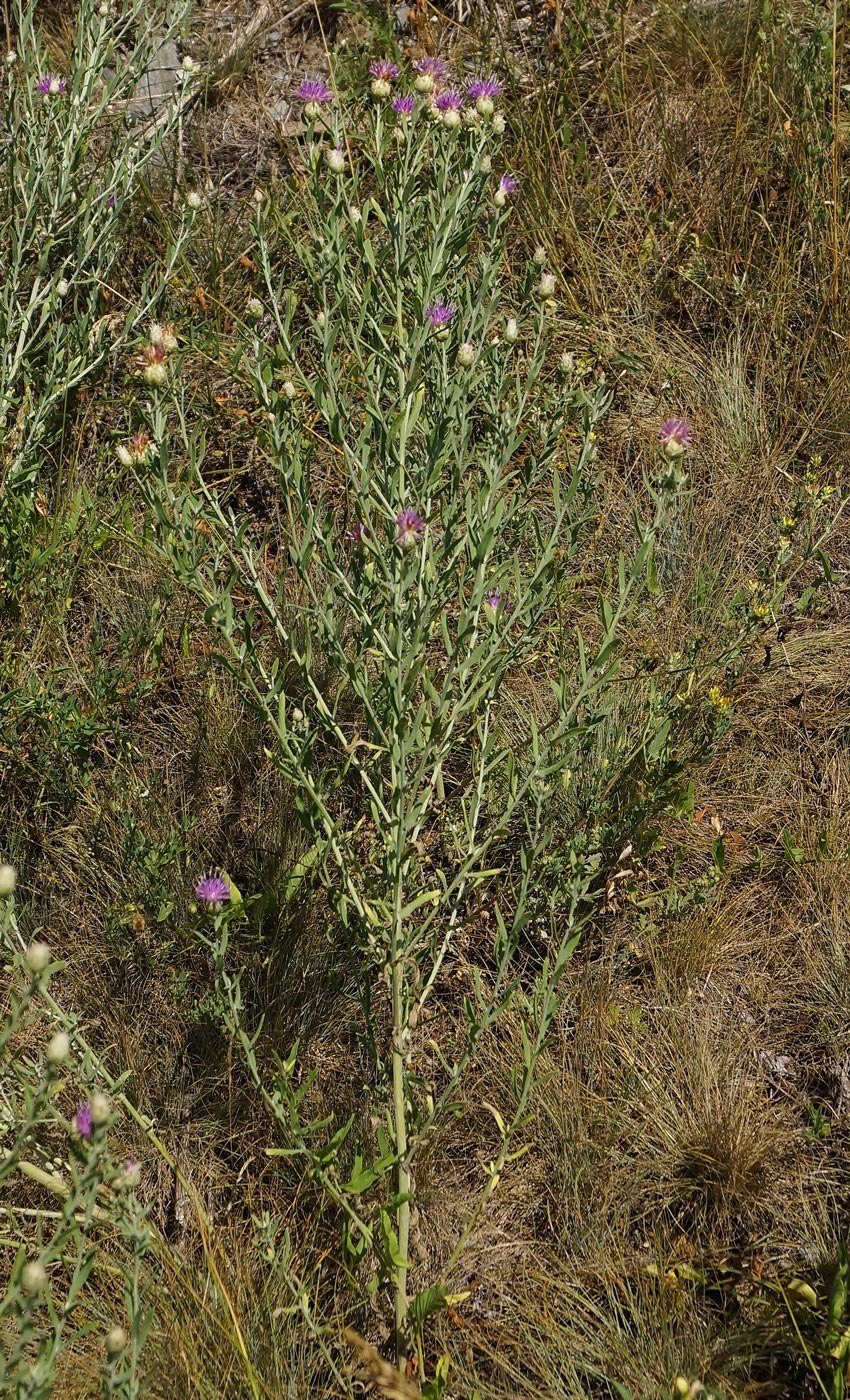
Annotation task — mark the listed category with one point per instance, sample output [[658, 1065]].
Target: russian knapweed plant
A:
[[72, 156], [434, 474], [88, 1197]]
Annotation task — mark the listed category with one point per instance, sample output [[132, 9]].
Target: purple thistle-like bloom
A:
[[51, 85], [314, 90], [357, 532], [449, 101], [496, 600], [383, 70], [508, 184], [83, 1123], [439, 313], [111, 201], [674, 436], [409, 524], [403, 104], [430, 67], [484, 87], [212, 890]]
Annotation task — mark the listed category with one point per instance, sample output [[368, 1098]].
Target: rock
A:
[[158, 82]]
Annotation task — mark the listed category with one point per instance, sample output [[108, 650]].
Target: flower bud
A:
[[115, 1340], [320, 319], [682, 1386], [380, 88], [11, 57], [58, 1048], [155, 374], [38, 957], [33, 1277], [254, 308], [499, 123], [101, 1109], [193, 200], [335, 160], [155, 333], [289, 388], [546, 285], [8, 879], [259, 196], [63, 287], [423, 82], [124, 455], [540, 255], [511, 330], [466, 354], [500, 199], [451, 119], [485, 165], [484, 105]]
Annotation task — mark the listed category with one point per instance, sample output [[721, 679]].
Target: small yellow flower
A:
[[717, 699], [761, 609], [788, 523]]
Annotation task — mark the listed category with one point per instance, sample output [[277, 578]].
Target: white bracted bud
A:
[[101, 1109], [58, 1048], [38, 957], [33, 1276]]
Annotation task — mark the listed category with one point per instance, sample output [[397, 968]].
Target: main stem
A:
[[397, 954], [400, 1123]]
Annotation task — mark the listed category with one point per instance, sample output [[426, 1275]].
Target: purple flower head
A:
[[383, 70], [429, 67], [495, 600], [212, 891], [674, 436], [403, 104], [508, 184], [357, 532], [83, 1122], [130, 1173], [111, 201], [439, 313], [314, 90], [409, 524], [449, 101], [484, 87], [51, 85]]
